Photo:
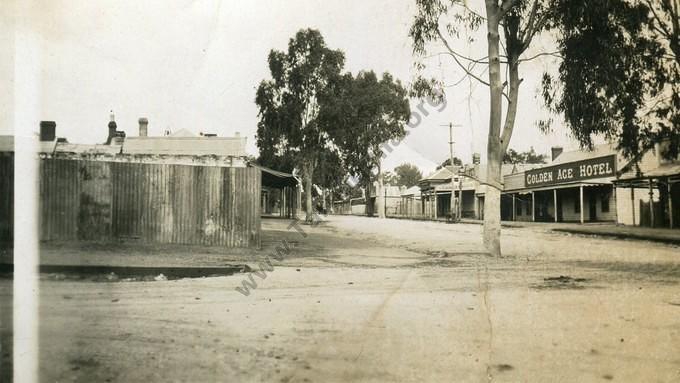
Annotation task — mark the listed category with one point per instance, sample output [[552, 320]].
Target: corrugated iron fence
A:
[[6, 199], [97, 200]]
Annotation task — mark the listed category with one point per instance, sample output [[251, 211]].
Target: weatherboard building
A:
[[598, 185]]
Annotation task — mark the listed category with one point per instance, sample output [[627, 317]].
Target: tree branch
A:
[[455, 58], [533, 29], [476, 61], [462, 5], [553, 54], [532, 15]]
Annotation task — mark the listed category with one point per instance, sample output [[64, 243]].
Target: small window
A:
[[605, 202]]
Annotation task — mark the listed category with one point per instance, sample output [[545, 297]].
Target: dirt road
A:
[[360, 299]]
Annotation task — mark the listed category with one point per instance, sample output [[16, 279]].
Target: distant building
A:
[[175, 189]]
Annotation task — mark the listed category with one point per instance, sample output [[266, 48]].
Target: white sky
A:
[[196, 64]]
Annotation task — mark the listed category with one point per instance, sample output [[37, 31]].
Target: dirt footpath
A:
[[361, 299]]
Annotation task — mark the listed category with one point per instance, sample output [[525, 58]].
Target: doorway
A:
[[592, 207]]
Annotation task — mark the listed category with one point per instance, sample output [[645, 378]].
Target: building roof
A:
[[183, 133], [189, 146], [506, 169], [413, 190], [7, 145], [664, 170], [584, 154], [275, 178], [442, 174], [65, 147]]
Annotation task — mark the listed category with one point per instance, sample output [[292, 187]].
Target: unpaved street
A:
[[362, 299]]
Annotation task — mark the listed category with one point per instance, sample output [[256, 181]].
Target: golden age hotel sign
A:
[[599, 167]]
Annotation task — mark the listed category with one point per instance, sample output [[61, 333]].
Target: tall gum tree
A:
[[370, 111], [515, 23], [291, 101]]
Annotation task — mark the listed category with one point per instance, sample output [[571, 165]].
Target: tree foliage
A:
[[368, 112], [620, 74], [290, 103], [456, 162], [330, 172], [373, 111], [407, 175], [528, 157]]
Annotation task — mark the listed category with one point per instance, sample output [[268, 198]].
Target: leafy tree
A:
[[620, 73], [528, 157], [456, 162], [390, 178], [330, 174], [291, 101], [369, 112], [408, 175], [516, 23]]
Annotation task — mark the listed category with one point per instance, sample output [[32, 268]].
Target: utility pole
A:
[[453, 197]]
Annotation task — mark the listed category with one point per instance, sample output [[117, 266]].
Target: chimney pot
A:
[[143, 127], [47, 130], [556, 151]]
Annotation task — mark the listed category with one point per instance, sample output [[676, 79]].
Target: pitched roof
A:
[[275, 178], [444, 173], [584, 154], [506, 169], [189, 146]]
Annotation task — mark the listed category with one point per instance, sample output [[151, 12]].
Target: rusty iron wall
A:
[[99, 200], [6, 198]]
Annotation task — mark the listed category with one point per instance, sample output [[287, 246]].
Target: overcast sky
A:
[[196, 64]]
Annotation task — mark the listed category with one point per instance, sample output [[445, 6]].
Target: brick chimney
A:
[[556, 151], [48, 130], [112, 128], [143, 127]]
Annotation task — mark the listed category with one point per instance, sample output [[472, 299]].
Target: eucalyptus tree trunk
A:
[[492, 198], [380, 195], [308, 171], [369, 205]]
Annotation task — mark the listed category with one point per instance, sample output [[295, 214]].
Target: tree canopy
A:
[[620, 73], [291, 101], [368, 112], [407, 175]]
